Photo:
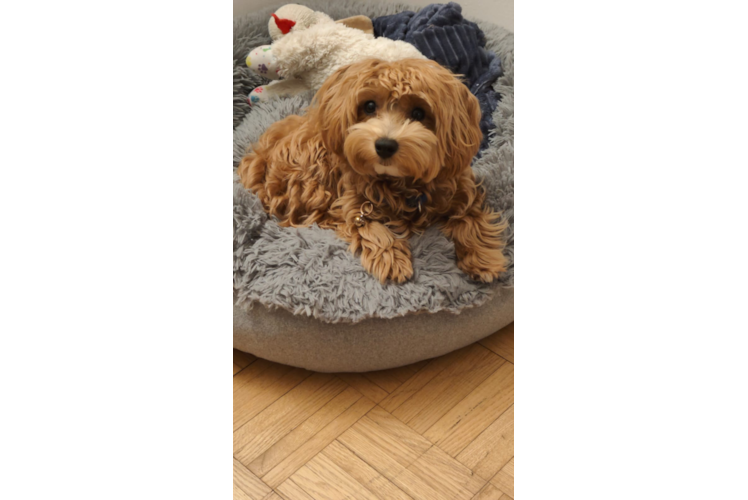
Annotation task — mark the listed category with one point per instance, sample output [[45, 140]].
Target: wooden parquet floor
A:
[[441, 429]]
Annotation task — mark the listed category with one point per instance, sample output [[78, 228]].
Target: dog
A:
[[382, 153]]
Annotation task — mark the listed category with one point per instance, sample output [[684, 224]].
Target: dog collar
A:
[[367, 208], [417, 201]]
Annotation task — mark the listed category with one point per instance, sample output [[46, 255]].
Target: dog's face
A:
[[411, 118]]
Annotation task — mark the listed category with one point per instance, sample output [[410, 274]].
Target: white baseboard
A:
[[604, 87]]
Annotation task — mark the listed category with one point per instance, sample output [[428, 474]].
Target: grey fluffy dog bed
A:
[[301, 298]]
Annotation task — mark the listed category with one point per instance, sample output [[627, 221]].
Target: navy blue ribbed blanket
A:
[[441, 33]]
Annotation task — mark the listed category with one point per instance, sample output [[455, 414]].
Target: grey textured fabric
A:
[[308, 271], [244, 81], [372, 344]]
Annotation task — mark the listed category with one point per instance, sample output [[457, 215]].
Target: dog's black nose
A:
[[385, 147]]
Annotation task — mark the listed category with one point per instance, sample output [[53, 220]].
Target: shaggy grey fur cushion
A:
[[309, 271]]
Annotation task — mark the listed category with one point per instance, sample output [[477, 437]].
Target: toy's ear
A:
[[362, 23], [284, 25], [292, 17]]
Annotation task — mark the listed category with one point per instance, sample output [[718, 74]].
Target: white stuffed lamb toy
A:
[[309, 46]]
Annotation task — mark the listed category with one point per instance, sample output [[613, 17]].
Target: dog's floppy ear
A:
[[334, 107], [458, 124]]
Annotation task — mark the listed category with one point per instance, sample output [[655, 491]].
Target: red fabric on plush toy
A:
[[284, 25]]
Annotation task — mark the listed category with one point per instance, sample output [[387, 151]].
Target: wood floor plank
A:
[[329, 471], [237, 369], [270, 425], [364, 386], [399, 430], [264, 391], [258, 382], [403, 446], [240, 495], [382, 452], [464, 421], [305, 431], [502, 342], [249, 378], [442, 473], [243, 359], [362, 472], [318, 442], [418, 366], [504, 479], [273, 496], [292, 491], [391, 379], [419, 488], [315, 486], [490, 492], [436, 398], [432, 368], [492, 449], [248, 483]]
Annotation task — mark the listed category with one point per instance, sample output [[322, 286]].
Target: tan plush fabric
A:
[[371, 344], [362, 23]]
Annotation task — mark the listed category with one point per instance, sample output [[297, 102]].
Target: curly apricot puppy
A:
[[383, 152]]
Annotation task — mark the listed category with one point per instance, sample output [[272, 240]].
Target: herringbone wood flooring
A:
[[441, 429]]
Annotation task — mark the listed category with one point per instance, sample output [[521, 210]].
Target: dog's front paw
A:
[[392, 263], [482, 264]]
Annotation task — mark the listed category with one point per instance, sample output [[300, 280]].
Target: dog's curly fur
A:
[[323, 166]]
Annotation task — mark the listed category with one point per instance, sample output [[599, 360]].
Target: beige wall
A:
[[500, 12]]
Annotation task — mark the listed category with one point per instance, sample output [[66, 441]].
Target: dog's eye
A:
[[418, 114], [370, 107]]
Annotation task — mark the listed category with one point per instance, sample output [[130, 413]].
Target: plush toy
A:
[[309, 46]]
